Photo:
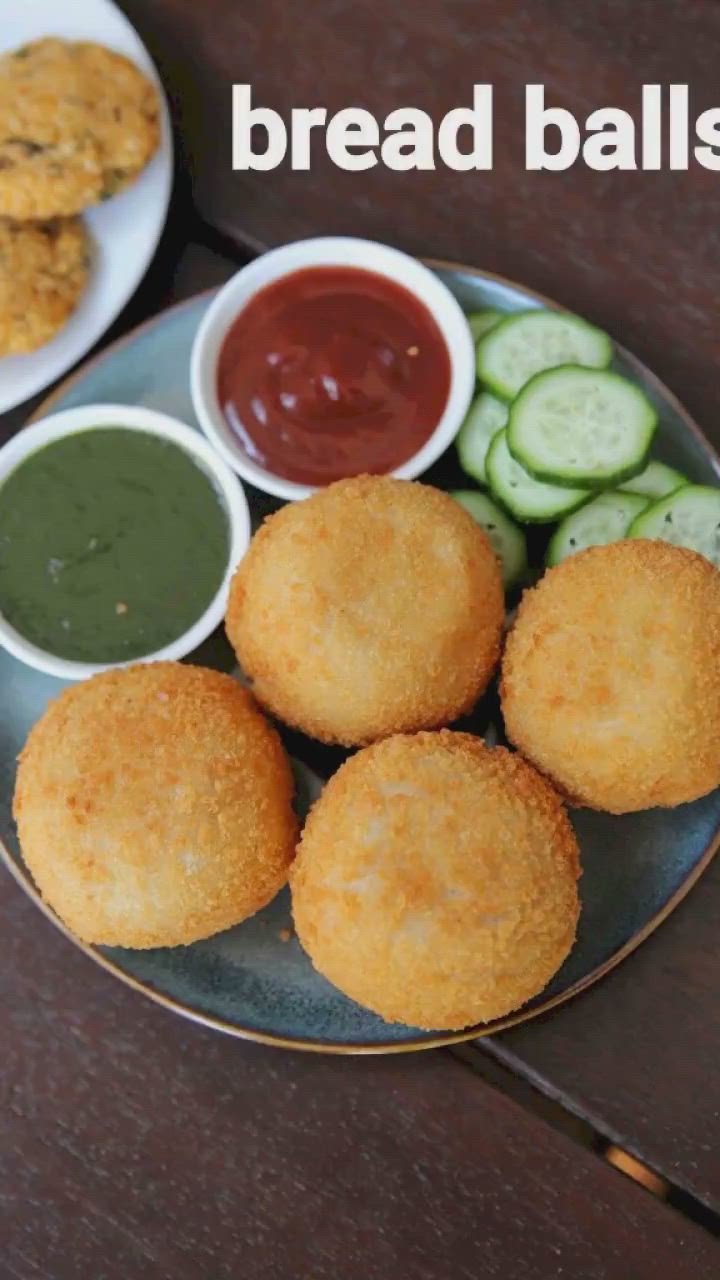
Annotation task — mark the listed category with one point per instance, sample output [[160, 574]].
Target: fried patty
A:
[[435, 882], [154, 806], [611, 680], [43, 272], [373, 607], [77, 123]]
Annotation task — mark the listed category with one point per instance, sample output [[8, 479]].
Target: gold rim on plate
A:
[[22, 878]]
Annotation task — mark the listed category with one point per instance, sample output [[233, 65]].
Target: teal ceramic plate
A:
[[254, 981]]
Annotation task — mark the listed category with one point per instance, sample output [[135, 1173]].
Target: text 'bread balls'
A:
[[611, 676], [435, 882], [373, 607], [154, 806]]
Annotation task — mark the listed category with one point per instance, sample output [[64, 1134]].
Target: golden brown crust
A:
[[154, 806], [610, 678], [77, 123], [435, 882], [43, 272], [373, 607]]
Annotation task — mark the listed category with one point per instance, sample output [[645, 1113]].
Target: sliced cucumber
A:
[[655, 481], [485, 417], [606, 519], [587, 428], [481, 322], [531, 341], [689, 517], [507, 540], [525, 498]]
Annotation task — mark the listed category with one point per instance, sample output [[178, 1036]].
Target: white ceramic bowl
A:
[[227, 485], [328, 251]]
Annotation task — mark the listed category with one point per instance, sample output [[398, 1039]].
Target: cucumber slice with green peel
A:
[[586, 428], [689, 517], [656, 481], [524, 497], [485, 417], [508, 541], [606, 519], [530, 342], [481, 322]]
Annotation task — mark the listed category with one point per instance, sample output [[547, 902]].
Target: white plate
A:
[[124, 231]]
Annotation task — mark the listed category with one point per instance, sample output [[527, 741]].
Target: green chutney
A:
[[112, 544]]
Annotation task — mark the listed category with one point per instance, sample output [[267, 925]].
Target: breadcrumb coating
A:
[[373, 607], [435, 882], [43, 272], [154, 806], [611, 676], [77, 123]]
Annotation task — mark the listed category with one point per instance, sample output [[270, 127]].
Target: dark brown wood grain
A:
[[135, 1144], [639, 1054]]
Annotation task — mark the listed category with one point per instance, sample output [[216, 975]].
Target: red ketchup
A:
[[332, 372]]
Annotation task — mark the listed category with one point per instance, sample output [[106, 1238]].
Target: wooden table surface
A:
[[136, 1145]]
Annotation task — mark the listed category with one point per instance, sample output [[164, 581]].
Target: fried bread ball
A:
[[435, 882], [373, 607], [154, 806], [611, 676]]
